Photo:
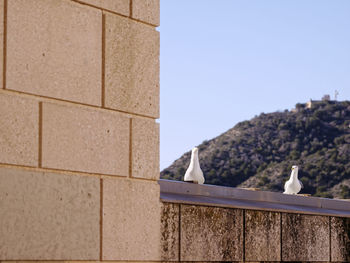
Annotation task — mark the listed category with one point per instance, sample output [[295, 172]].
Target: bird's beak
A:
[[293, 168]]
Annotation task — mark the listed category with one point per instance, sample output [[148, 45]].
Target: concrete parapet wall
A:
[[210, 223], [79, 142], [203, 233]]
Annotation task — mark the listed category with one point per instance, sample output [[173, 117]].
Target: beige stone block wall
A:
[[83, 139], [54, 49], [118, 6], [146, 10], [132, 66], [2, 6], [47, 215], [19, 120], [79, 142], [145, 149], [70, 261], [131, 220]]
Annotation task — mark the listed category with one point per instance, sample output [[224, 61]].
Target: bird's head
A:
[[294, 168], [194, 155]]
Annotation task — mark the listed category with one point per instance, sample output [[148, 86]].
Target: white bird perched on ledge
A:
[[194, 173], [293, 185]]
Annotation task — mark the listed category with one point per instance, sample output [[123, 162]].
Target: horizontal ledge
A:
[[211, 195]]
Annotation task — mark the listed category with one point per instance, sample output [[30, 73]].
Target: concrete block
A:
[[72, 261], [131, 220], [54, 49], [42, 261], [305, 237], [145, 149], [19, 129], [211, 234], [262, 236], [340, 239], [132, 66], [117, 6], [47, 216], [84, 139], [170, 232], [1, 42], [49, 261], [146, 10]]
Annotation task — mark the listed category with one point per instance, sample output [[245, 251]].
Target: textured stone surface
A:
[[132, 66], [19, 120], [118, 6], [262, 236], [305, 238], [146, 10], [48, 216], [211, 234], [170, 232], [40, 261], [49, 261], [73, 261], [54, 49], [131, 220], [83, 139], [145, 149], [1, 41], [340, 239]]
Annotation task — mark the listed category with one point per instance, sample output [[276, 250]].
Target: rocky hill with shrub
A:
[[259, 153]]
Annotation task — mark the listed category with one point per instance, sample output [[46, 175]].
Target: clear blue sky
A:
[[225, 61]]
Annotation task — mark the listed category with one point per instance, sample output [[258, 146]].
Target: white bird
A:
[[293, 185], [194, 173]]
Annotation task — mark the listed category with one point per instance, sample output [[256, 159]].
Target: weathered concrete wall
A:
[[79, 145], [206, 233]]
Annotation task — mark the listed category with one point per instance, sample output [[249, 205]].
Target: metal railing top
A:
[[212, 195]]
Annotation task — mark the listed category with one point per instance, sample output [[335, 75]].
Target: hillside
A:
[[259, 153]]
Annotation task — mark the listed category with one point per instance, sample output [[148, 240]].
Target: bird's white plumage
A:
[[194, 172], [293, 185]]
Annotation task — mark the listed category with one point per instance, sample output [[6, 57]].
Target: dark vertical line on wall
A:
[[130, 148], [179, 233], [103, 78], [4, 46], [243, 247], [101, 217], [130, 11], [330, 239], [40, 135], [280, 236]]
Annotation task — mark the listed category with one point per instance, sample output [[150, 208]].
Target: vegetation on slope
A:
[[259, 153]]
